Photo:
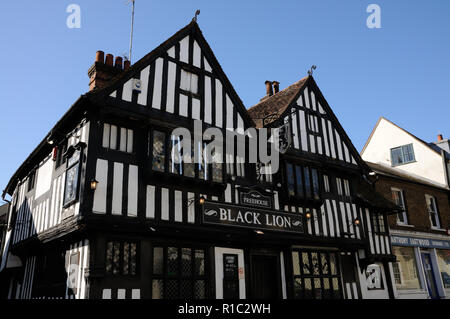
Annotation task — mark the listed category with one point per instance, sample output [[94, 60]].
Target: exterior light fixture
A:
[[259, 232], [94, 184], [356, 221], [308, 215], [201, 201]]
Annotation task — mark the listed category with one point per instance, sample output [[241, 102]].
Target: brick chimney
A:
[[440, 138], [269, 89], [103, 70], [276, 87]]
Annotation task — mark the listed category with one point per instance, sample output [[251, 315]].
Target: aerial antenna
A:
[[196, 15], [132, 26], [310, 72]]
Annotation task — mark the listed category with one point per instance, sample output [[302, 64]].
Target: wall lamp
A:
[[94, 184], [201, 201], [259, 232], [308, 214]]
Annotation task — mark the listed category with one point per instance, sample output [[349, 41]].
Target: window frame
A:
[[189, 92], [168, 158], [312, 276], [401, 148], [179, 277], [404, 212], [307, 184], [122, 243], [436, 212], [70, 166]]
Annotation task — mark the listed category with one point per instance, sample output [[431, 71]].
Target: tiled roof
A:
[[271, 108]]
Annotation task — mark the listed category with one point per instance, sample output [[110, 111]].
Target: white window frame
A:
[[402, 197], [189, 81], [431, 211]]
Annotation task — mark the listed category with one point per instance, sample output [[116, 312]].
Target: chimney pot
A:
[[100, 57], [126, 64], [440, 138], [118, 62], [276, 87], [109, 59], [269, 90]]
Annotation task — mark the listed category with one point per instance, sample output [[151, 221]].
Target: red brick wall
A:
[[414, 195]]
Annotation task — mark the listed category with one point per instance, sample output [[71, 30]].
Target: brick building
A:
[[414, 174]]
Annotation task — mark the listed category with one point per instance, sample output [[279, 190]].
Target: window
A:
[[326, 184], [313, 124], [302, 181], [443, 259], [121, 258], [117, 138], [72, 178], [179, 273], [316, 275], [378, 223], [159, 151], [31, 180], [402, 155], [343, 187], [189, 82], [173, 154], [405, 269], [397, 196], [235, 165], [433, 211], [61, 149]]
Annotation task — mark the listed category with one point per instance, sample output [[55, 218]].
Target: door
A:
[[429, 275], [265, 277]]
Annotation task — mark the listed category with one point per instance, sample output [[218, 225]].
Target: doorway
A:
[[265, 277], [429, 275]]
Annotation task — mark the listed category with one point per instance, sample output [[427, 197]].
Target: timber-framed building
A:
[[101, 210]]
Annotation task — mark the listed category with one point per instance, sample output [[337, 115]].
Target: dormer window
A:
[[402, 155], [189, 82]]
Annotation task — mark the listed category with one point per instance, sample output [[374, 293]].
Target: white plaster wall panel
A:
[[142, 97], [44, 177], [157, 85]]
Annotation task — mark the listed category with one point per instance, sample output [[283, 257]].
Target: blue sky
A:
[[400, 71]]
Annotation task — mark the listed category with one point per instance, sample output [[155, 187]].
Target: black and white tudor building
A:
[[101, 210]]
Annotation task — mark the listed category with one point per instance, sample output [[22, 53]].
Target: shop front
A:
[[422, 269]]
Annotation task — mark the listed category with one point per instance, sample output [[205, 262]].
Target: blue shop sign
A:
[[420, 242]]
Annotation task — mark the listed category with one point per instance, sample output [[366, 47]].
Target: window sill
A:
[[438, 229], [405, 225], [397, 165]]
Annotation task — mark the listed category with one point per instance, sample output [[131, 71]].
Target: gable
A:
[[184, 59], [315, 128], [386, 135]]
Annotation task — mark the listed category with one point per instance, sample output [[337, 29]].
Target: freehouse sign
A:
[[256, 218]]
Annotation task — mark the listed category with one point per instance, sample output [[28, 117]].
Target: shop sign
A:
[[255, 199], [238, 216], [420, 242]]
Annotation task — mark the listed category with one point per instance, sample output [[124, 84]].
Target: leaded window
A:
[[316, 274], [179, 273], [159, 151], [121, 258]]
